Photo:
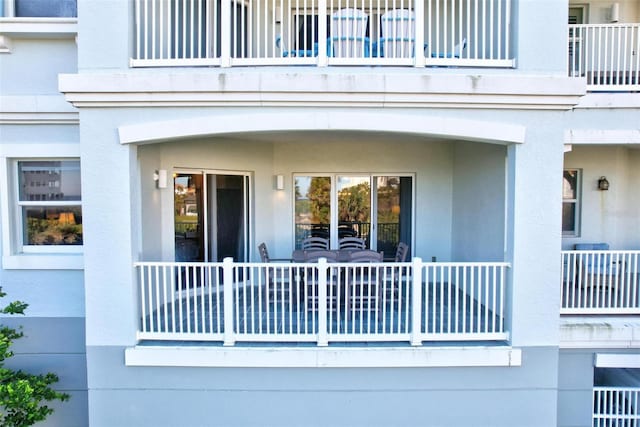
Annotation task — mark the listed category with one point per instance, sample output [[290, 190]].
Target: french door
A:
[[376, 208], [211, 216]]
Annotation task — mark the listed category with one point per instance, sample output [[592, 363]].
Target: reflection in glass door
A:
[[312, 208], [354, 207], [381, 214], [211, 216], [393, 200]]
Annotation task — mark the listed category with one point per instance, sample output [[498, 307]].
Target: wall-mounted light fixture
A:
[[614, 13], [603, 184], [278, 13], [279, 182], [160, 177]]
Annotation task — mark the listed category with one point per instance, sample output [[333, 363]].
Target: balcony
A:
[[228, 33], [600, 282], [606, 55], [322, 302]]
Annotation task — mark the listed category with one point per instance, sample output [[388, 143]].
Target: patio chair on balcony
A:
[[296, 53], [348, 34], [311, 278], [398, 34], [457, 51], [597, 269], [314, 243], [277, 280], [352, 243], [402, 251], [363, 287]]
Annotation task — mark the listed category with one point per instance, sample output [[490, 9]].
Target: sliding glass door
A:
[[376, 208], [211, 216]]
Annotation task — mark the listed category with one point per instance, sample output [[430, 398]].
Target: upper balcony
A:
[[606, 55], [355, 32], [412, 33]]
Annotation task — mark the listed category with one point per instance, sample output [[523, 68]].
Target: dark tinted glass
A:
[[47, 8]]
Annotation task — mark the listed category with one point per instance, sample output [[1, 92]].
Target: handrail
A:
[[322, 302], [228, 33], [606, 55], [600, 282]]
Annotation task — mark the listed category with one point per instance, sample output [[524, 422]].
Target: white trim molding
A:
[[37, 109], [601, 332], [39, 27], [442, 127], [407, 88], [601, 136], [609, 100], [322, 357], [613, 360]]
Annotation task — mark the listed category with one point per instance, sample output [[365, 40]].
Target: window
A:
[[376, 208], [571, 202], [39, 8], [40, 206], [48, 206]]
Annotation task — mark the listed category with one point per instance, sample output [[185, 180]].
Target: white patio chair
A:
[[347, 40], [398, 34]]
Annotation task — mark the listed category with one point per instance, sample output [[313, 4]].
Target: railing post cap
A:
[[228, 260]]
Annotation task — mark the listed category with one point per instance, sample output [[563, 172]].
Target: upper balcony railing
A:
[[227, 33], [608, 55]]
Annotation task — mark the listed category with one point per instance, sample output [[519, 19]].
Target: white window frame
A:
[[577, 201], [15, 255]]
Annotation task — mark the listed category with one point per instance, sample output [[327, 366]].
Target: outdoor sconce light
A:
[[614, 12], [279, 182], [603, 184], [160, 177]]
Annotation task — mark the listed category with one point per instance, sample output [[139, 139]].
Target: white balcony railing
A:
[[607, 55], [322, 302], [291, 32], [600, 282], [616, 406]]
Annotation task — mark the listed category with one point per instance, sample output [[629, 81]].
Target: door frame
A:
[[248, 210]]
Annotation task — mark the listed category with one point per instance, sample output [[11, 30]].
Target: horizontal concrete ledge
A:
[[322, 357], [599, 332], [616, 100], [602, 136], [403, 88], [612, 360], [38, 27]]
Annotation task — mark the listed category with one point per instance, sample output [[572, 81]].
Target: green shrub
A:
[[22, 395]]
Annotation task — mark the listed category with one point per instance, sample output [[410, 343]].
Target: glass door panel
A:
[[227, 209], [188, 217], [354, 207], [393, 201], [211, 216], [312, 208]]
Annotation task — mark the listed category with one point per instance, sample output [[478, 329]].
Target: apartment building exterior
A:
[[149, 146]]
